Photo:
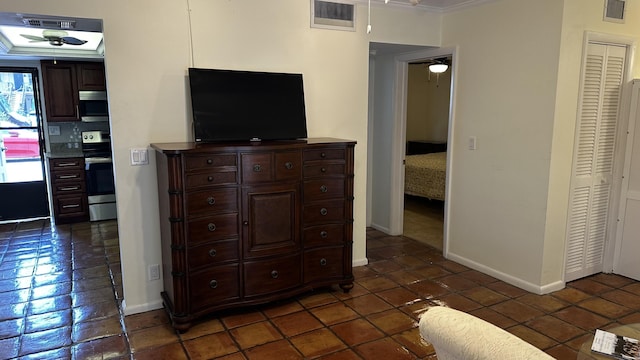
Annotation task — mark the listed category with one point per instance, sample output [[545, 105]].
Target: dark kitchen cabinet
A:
[[60, 91], [68, 190], [62, 82], [249, 223], [91, 77]]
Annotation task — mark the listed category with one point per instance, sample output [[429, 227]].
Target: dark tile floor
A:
[[60, 290]]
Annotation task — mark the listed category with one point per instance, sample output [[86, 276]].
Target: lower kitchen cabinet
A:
[[68, 190], [249, 223]]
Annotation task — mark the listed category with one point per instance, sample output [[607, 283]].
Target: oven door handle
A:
[[96, 160]]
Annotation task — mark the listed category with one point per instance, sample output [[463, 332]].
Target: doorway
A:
[[428, 99], [387, 134], [23, 187]]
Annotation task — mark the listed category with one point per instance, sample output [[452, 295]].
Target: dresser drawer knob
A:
[[211, 200], [274, 274], [209, 178], [324, 234], [288, 165], [323, 155], [323, 189], [245, 223], [211, 227], [323, 211], [213, 284], [209, 161], [324, 170], [323, 261], [257, 168], [213, 252]]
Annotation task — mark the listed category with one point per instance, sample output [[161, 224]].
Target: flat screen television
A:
[[230, 105]]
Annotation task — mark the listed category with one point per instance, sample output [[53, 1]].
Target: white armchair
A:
[[458, 335]]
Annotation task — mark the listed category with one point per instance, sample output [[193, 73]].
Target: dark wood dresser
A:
[[248, 223]]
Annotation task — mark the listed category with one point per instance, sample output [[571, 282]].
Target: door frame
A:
[[398, 147]]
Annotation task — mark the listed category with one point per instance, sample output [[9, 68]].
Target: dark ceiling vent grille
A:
[[50, 24], [339, 15], [614, 10]]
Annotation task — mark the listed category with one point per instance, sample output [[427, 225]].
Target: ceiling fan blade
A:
[[73, 41], [33, 37]]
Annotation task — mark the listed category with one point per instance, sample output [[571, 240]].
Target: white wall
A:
[[427, 104], [506, 74], [147, 54]]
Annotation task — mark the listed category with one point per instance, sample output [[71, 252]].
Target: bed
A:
[[424, 175]]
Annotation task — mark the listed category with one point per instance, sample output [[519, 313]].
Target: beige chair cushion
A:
[[458, 335]]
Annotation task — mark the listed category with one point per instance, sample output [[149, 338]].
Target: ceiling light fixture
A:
[[438, 68]]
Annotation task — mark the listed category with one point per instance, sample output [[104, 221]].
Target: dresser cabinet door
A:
[[270, 220]]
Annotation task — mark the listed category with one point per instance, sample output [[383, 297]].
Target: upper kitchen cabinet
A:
[[60, 91], [62, 83], [91, 77]]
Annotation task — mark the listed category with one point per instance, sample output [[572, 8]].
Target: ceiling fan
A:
[[55, 38]]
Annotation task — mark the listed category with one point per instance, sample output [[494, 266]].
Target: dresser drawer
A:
[[323, 169], [323, 263], [212, 201], [196, 162], [67, 175], [322, 235], [267, 276], [72, 204], [218, 284], [213, 253], [256, 167], [323, 189], [324, 154], [210, 178], [67, 187], [216, 227], [288, 165], [327, 211], [67, 163]]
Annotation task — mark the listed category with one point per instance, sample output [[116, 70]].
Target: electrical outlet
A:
[[154, 272]]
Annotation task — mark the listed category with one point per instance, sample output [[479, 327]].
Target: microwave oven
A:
[[93, 106]]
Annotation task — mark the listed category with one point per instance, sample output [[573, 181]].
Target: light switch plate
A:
[[139, 156]]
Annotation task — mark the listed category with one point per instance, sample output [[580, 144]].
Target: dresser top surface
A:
[[179, 147]]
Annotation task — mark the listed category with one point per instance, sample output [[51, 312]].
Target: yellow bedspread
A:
[[425, 175]]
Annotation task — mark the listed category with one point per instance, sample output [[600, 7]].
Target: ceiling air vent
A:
[[335, 14], [614, 10], [50, 24]]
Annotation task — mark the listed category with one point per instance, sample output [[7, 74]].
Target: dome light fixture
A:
[[438, 68]]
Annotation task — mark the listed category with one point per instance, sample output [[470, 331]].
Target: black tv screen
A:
[[246, 105]]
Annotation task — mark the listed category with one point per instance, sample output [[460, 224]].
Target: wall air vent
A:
[[50, 24], [614, 10], [335, 14]]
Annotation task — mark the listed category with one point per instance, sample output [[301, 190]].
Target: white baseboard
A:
[[360, 262], [381, 228], [130, 310], [523, 284]]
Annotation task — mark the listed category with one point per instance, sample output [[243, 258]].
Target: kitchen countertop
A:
[[62, 155]]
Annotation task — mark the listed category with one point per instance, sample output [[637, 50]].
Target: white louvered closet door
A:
[[593, 159]]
